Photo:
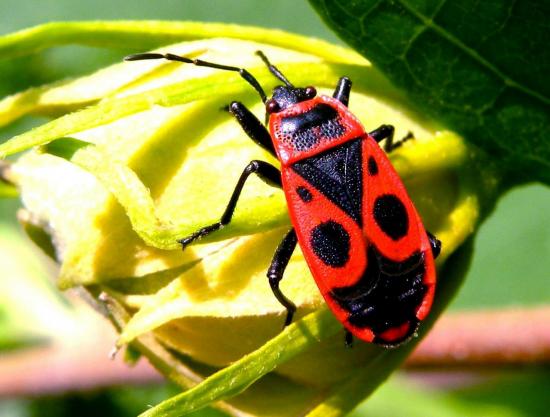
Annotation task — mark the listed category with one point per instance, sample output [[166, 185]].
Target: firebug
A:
[[360, 234]]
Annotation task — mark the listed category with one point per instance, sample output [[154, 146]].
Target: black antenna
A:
[[274, 70], [249, 78]]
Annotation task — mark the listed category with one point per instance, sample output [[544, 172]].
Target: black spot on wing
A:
[[331, 243], [304, 194], [337, 174], [372, 166], [391, 215]]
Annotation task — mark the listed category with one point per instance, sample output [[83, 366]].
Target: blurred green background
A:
[[510, 266]]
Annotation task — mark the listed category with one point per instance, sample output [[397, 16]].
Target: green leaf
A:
[[147, 34], [237, 377], [272, 395], [481, 68]]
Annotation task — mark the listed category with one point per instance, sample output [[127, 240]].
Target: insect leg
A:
[[267, 172], [277, 269], [384, 132], [348, 341], [252, 126], [435, 243], [342, 90], [404, 139]]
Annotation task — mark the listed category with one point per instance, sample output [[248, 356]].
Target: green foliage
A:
[[236, 378], [510, 266], [404, 398], [11, 336], [481, 68], [23, 323], [114, 402], [522, 391]]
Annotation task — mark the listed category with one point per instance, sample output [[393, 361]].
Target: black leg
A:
[[384, 132], [387, 132], [265, 171], [277, 269], [342, 90], [435, 243], [349, 339], [252, 126], [405, 138]]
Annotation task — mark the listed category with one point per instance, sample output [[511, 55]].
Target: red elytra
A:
[[319, 209]]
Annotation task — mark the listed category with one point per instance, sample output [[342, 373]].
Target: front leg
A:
[[342, 90], [252, 126], [267, 172]]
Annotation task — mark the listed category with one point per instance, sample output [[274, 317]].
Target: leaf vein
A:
[[471, 52]]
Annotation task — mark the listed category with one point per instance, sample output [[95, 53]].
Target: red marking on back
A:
[[363, 333], [307, 215], [286, 152], [387, 181], [395, 333]]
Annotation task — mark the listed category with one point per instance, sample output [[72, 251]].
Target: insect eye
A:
[[272, 106], [310, 92]]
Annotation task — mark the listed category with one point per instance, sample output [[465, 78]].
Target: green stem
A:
[[145, 34], [166, 363], [234, 379]]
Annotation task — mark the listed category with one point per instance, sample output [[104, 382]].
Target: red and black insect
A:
[[361, 236]]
